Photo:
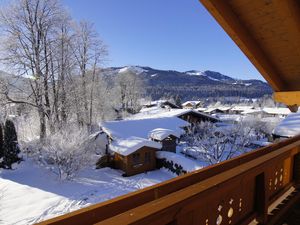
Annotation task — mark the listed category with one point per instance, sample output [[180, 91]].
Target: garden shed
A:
[[168, 138], [134, 155]]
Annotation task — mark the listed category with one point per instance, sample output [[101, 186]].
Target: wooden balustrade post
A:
[[261, 200], [296, 170]]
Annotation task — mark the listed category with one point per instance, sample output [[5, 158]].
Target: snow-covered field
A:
[[29, 193]]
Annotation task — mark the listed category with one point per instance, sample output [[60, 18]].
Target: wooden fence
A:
[[236, 191]]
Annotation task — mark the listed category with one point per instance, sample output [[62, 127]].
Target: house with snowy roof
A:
[[283, 112], [166, 137], [190, 115], [253, 112], [191, 104], [133, 143], [240, 109], [134, 155], [161, 104], [221, 109], [193, 116]]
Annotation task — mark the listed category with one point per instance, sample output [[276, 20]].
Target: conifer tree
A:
[[11, 147], [1, 146]]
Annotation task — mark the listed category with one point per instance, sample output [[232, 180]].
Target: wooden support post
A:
[[261, 200], [296, 170]]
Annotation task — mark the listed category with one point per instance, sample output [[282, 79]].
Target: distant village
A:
[[133, 144]]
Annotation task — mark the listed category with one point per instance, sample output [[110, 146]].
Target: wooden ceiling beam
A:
[[231, 23], [290, 98]]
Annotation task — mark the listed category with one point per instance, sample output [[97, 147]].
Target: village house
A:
[[162, 104], [190, 115], [134, 155], [191, 104], [253, 112], [272, 112], [193, 116], [201, 109], [218, 110], [167, 138], [239, 109], [130, 143]]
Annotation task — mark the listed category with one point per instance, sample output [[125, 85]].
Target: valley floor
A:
[[29, 193]]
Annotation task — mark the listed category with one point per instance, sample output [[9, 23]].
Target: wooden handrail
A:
[[173, 195]]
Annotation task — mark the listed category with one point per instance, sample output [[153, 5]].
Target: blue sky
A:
[[163, 34]]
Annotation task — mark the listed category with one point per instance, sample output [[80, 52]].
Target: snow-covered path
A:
[[30, 193]]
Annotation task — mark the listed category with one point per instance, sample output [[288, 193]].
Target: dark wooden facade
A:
[[168, 144], [140, 161], [194, 117]]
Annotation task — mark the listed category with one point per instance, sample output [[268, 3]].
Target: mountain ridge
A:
[[194, 84]]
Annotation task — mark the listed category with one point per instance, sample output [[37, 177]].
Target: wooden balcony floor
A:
[[293, 215]]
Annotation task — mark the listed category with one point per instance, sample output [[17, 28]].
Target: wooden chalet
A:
[[282, 112], [191, 104], [195, 117], [134, 155], [191, 116], [218, 110], [130, 144], [259, 187], [162, 104], [240, 109]]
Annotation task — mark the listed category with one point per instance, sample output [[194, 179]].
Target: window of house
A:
[[136, 158], [147, 157]]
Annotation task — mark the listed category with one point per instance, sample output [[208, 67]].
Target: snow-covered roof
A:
[[181, 112], [161, 113], [209, 110], [201, 109], [157, 102], [229, 117], [241, 108], [221, 108], [160, 134], [277, 111], [130, 145], [288, 127], [123, 129], [251, 111], [193, 103], [224, 108]]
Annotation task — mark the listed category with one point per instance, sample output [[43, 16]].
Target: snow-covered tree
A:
[[64, 152], [42, 43], [130, 89], [212, 144]]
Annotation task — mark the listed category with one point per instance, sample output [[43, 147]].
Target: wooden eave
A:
[[268, 32]]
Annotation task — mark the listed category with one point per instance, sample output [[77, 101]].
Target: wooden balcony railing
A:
[[236, 191]]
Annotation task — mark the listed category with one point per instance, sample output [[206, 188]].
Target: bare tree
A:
[[28, 27], [43, 44], [89, 52], [130, 88]]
